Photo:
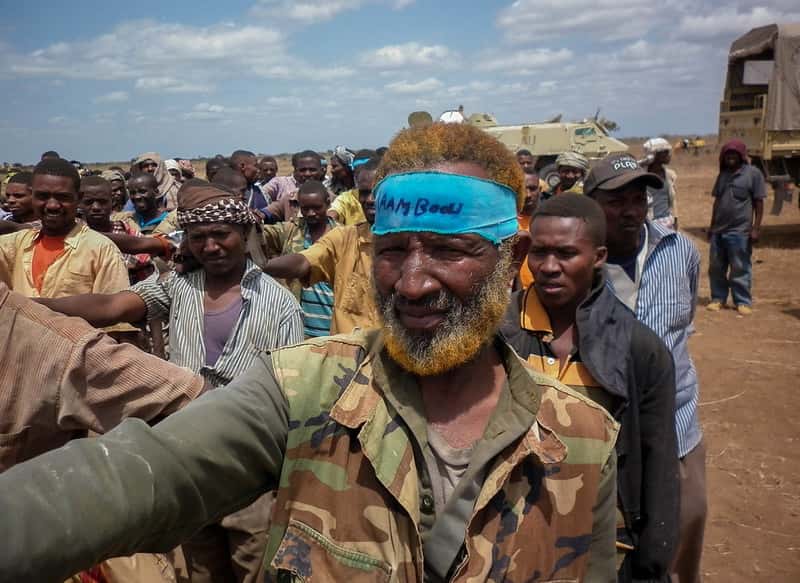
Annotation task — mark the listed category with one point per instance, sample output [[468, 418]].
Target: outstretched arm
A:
[[293, 266], [136, 245], [100, 309], [140, 488]]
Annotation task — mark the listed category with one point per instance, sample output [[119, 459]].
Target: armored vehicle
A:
[[761, 101], [544, 140]]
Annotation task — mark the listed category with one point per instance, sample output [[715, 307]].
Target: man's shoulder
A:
[[673, 242], [95, 241], [46, 322], [569, 414]]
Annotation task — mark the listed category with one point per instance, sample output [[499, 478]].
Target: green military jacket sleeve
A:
[[142, 488]]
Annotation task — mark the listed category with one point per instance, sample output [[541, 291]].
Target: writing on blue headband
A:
[[447, 204]]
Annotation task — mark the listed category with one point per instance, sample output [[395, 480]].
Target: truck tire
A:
[[550, 175]]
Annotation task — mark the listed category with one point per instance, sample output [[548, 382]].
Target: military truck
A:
[[544, 140], [761, 101]]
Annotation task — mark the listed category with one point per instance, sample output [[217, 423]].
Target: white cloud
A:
[[729, 22], [523, 62], [170, 85], [113, 97], [411, 54], [426, 85], [306, 12], [181, 58], [529, 20]]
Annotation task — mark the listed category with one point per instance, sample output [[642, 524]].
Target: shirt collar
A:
[[534, 317], [71, 240]]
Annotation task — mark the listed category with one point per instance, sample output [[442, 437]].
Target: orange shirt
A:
[[525, 275], [45, 252]]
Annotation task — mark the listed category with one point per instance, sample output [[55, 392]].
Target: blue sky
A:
[[101, 81]]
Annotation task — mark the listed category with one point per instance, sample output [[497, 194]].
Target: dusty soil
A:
[[749, 395]]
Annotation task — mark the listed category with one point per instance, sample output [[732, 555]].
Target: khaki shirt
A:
[[348, 208], [91, 263], [60, 378], [343, 258]]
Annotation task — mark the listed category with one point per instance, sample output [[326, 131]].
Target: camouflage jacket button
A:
[[427, 503]]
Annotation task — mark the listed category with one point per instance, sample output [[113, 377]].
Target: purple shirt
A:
[[217, 328]]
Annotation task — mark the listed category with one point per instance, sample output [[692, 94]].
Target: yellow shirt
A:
[[91, 263], [348, 207], [343, 258], [525, 275], [168, 225]]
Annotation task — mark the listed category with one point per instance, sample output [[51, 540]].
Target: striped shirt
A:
[[270, 318], [666, 303], [317, 300]]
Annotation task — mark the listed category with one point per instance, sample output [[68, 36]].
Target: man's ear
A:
[[519, 253], [601, 254]]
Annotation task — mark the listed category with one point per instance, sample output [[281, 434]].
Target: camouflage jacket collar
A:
[[362, 406]]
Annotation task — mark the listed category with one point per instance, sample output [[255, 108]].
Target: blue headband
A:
[[448, 204], [359, 162]]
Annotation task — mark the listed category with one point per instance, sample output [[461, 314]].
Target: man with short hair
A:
[[341, 258], [247, 164], [572, 167], [96, 204], [282, 190], [569, 325], [221, 317], [49, 154], [346, 208], [424, 451], [267, 170], [148, 213], [525, 159], [19, 198], [213, 166], [293, 237], [533, 190], [654, 271], [739, 194], [62, 256]]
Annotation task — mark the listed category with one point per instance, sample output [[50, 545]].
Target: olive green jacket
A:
[[324, 421]]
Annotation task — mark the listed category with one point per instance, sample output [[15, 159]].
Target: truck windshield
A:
[[585, 132]]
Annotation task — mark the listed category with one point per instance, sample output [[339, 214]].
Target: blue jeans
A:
[[729, 268]]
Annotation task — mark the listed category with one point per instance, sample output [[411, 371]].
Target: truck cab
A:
[[761, 100]]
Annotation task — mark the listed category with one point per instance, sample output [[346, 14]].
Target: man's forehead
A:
[[96, 189], [17, 187], [429, 237], [309, 161]]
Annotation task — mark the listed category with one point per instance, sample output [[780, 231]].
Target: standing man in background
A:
[[661, 201], [739, 194]]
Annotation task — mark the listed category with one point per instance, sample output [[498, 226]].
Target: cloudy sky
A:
[[105, 80]]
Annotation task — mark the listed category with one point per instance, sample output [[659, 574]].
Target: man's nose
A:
[[415, 282]]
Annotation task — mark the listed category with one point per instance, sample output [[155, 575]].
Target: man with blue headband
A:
[[423, 451]]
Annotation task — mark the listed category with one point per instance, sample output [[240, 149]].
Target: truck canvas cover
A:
[[783, 99]]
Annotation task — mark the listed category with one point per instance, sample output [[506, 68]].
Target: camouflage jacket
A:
[[348, 506], [319, 421]]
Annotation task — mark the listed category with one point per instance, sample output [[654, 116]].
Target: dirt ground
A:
[[749, 399]]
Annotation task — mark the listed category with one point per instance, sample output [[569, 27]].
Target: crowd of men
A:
[[416, 363]]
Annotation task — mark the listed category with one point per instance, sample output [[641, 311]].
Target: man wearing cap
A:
[[221, 317], [739, 194], [423, 451], [572, 167], [654, 271], [661, 207]]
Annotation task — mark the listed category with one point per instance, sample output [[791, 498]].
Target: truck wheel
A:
[[550, 175]]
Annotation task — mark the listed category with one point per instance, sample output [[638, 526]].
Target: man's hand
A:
[[754, 233]]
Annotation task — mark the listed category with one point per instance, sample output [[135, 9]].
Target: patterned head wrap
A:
[[345, 156], [573, 160], [203, 202]]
